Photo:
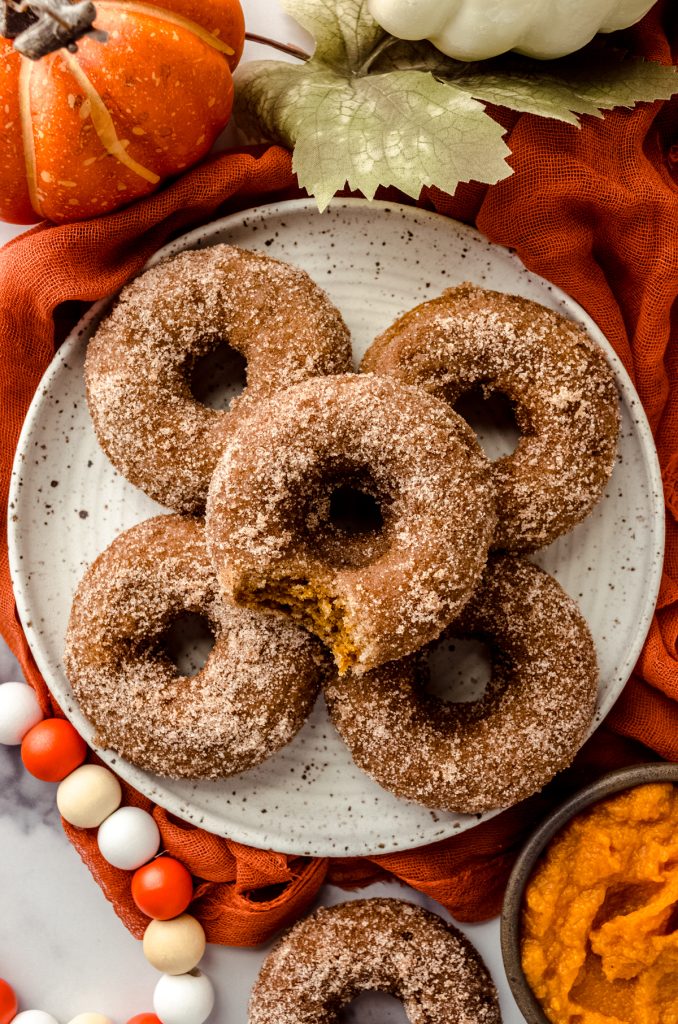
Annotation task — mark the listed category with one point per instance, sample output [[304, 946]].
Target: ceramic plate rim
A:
[[193, 239]]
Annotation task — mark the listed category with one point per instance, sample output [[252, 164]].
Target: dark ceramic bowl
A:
[[615, 782]]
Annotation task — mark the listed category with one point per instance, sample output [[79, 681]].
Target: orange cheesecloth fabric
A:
[[593, 210]]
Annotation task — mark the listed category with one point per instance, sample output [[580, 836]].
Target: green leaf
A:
[[368, 110], [344, 31], [403, 129], [595, 79]]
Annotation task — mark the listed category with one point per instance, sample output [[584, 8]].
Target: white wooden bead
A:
[[88, 796], [19, 712], [33, 1017], [175, 946], [183, 998], [129, 838], [90, 1018]]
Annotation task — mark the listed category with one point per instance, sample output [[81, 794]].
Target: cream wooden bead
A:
[[175, 946], [88, 796], [90, 1018]]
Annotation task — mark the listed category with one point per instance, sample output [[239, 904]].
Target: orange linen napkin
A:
[[596, 212]]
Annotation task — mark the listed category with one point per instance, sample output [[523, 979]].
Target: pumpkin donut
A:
[[139, 363], [252, 695], [561, 386], [280, 537], [385, 945], [529, 724]]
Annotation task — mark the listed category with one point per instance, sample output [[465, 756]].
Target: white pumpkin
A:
[[477, 29]]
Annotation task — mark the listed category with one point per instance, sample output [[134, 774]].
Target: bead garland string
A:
[[89, 796]]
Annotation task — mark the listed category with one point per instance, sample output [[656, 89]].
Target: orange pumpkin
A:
[[83, 133]]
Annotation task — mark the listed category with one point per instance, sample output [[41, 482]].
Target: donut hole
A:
[[492, 416], [218, 376], [188, 642], [354, 512], [460, 670], [373, 1007], [344, 518]]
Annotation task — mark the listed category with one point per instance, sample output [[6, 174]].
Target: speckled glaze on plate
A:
[[67, 503]]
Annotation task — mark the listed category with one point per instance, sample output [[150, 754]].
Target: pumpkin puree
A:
[[600, 919]]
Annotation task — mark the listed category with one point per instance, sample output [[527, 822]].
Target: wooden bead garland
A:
[[9, 1006], [128, 838], [174, 947], [19, 712], [34, 1017], [183, 998], [90, 1018], [52, 749], [162, 889], [89, 796]]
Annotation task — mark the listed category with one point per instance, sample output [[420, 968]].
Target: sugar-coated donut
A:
[[563, 392], [252, 695], [384, 945], [373, 593], [529, 724], [139, 362]]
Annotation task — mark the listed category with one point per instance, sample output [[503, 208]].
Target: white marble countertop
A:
[[61, 945], [64, 950]]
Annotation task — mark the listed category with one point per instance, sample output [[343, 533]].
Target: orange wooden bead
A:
[[145, 1018], [162, 889], [52, 749], [9, 1006]]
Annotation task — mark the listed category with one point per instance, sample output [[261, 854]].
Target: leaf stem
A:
[[289, 48], [385, 43]]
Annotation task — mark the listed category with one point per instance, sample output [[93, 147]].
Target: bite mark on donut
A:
[[319, 612], [410, 464]]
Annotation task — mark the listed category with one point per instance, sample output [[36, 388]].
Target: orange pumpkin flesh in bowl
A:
[[589, 928], [85, 133]]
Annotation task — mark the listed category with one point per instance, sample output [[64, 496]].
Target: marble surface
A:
[[64, 950], [61, 945]]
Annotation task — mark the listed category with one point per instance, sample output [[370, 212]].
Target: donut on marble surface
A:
[[384, 945]]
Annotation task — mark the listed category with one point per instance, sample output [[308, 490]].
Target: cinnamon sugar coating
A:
[[529, 724], [563, 391], [387, 945], [252, 695], [139, 362], [374, 595]]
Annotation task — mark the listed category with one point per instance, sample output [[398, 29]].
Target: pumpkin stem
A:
[[39, 27], [289, 48]]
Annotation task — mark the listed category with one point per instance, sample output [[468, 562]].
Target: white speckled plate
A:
[[68, 503]]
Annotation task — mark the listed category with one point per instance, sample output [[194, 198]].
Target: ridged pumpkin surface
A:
[[87, 132]]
